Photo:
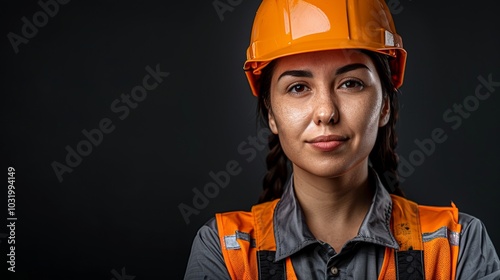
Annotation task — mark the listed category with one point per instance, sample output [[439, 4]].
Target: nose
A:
[[325, 108]]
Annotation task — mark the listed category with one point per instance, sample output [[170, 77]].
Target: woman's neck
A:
[[334, 208]]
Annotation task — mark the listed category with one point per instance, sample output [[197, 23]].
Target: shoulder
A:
[[206, 238], [474, 235], [474, 232], [209, 227], [477, 256], [206, 260], [470, 223], [207, 241]]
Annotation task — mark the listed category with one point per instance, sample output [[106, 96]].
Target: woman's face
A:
[[326, 108]]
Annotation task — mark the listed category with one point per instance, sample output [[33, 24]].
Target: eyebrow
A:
[[308, 74], [296, 73], [350, 67]]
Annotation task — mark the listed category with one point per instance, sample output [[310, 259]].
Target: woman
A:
[[326, 74]]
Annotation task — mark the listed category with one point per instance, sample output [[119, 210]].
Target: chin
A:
[[328, 171]]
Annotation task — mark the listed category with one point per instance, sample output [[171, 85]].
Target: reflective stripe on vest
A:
[[427, 235]]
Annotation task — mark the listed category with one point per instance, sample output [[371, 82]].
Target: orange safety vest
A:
[[248, 244]]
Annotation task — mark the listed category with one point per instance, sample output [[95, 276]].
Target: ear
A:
[[385, 113], [272, 122]]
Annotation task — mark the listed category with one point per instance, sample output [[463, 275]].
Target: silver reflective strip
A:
[[443, 232], [454, 238], [232, 243], [389, 39]]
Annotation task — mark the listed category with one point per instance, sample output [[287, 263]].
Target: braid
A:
[[276, 160], [383, 156], [277, 171]]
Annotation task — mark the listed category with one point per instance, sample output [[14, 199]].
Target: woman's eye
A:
[[352, 84], [298, 88]]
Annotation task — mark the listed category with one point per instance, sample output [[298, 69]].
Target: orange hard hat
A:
[[287, 27]]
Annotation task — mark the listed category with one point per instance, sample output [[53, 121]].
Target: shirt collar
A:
[[292, 234]]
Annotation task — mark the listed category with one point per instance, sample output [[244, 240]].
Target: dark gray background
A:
[[118, 209]]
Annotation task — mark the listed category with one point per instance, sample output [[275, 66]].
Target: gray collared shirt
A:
[[360, 258]]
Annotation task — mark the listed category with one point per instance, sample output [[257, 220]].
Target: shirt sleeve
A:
[[477, 258], [206, 260]]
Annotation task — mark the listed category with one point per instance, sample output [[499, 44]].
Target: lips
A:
[[328, 143]]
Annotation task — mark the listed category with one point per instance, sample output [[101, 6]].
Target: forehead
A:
[[328, 59]]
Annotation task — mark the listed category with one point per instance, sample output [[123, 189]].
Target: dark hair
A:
[[383, 156]]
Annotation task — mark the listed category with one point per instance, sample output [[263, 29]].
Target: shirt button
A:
[[334, 270]]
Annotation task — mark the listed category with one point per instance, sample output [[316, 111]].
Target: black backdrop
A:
[[79, 99]]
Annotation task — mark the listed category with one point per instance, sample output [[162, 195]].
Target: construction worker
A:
[[326, 75]]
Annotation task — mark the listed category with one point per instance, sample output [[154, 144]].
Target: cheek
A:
[[363, 115], [372, 125], [290, 117], [291, 122]]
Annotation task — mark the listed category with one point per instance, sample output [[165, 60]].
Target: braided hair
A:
[[383, 157]]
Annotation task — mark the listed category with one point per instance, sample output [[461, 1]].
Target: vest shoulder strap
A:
[[428, 239], [248, 244]]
